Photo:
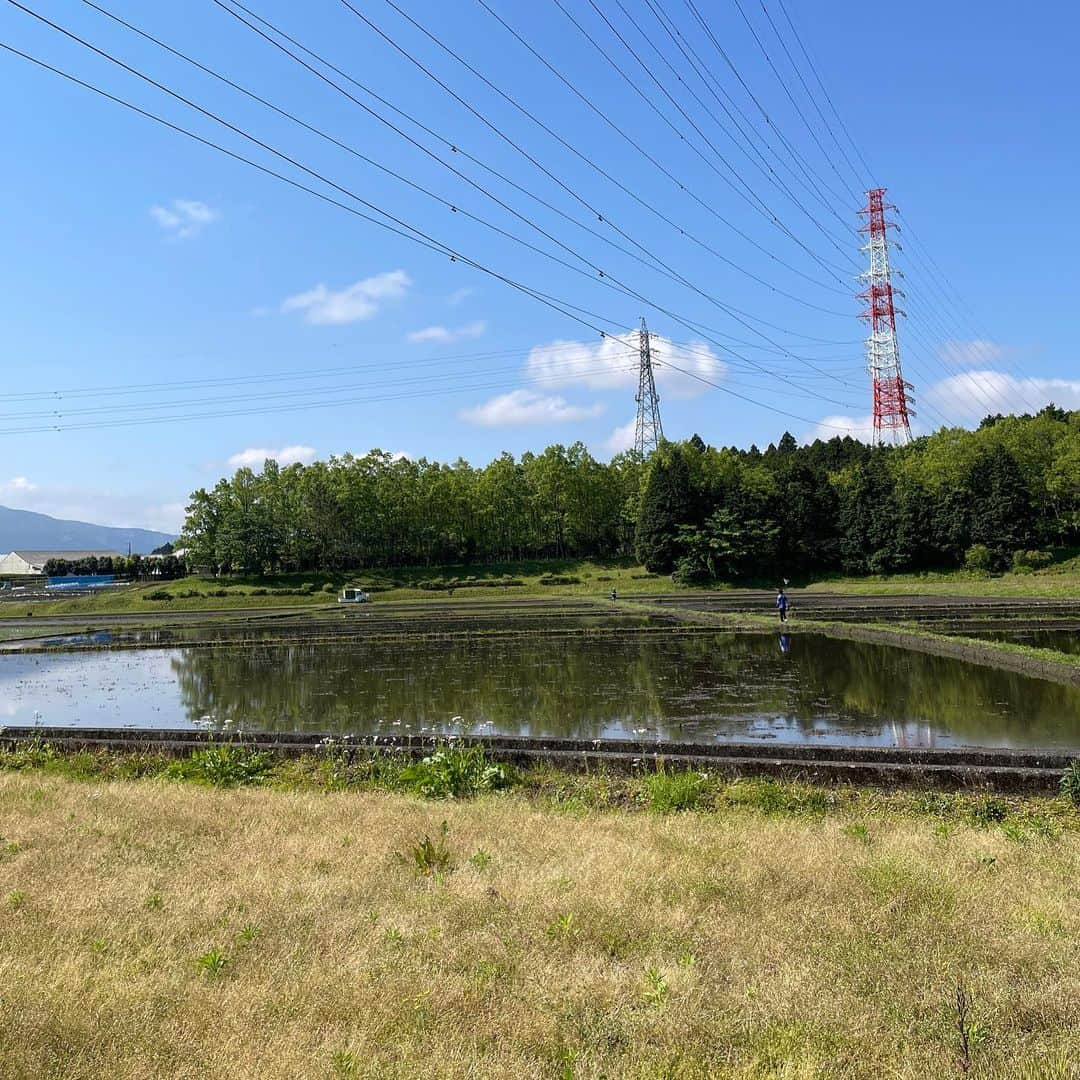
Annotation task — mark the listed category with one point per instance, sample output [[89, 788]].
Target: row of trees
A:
[[127, 567], [701, 511]]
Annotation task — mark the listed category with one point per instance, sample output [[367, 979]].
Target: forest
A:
[[990, 499]]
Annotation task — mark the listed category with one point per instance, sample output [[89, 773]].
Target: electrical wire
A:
[[407, 232]]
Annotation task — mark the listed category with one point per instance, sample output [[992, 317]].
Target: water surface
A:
[[1065, 641], [701, 687]]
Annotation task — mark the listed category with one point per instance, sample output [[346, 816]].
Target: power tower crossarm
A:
[[648, 432], [891, 400]]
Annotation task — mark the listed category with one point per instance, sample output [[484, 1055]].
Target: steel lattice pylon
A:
[[648, 433], [892, 402]]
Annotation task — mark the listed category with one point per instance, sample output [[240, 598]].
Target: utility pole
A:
[[648, 433], [891, 400]]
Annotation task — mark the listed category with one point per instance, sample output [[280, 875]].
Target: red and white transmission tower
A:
[[892, 402]]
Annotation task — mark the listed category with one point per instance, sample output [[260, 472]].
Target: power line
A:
[[643, 255], [752, 198], [752, 152], [610, 283], [931, 304], [813, 177], [791, 97], [409, 233], [584, 157]]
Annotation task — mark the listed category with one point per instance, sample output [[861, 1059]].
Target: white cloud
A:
[[17, 484], [442, 335], [975, 353], [975, 394], [964, 399], [613, 364], [325, 307], [622, 438], [833, 427], [459, 296], [527, 407], [254, 456], [183, 218]]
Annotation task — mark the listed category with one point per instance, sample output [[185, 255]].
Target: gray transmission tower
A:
[[648, 433]]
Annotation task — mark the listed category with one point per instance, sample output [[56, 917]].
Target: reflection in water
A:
[[1066, 641], [694, 687]]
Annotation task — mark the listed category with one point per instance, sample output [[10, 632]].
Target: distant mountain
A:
[[23, 529]]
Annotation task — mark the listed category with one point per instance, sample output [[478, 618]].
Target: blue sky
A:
[[144, 270]]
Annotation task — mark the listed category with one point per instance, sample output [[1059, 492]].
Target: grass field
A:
[[155, 928], [563, 577], [1059, 581], [574, 577]]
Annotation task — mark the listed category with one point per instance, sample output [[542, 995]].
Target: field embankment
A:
[[549, 578], [155, 928]]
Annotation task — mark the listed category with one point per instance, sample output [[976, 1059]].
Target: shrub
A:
[[224, 765], [1070, 782], [667, 792], [1031, 560], [330, 588], [158, 594], [978, 557], [455, 772], [560, 579]]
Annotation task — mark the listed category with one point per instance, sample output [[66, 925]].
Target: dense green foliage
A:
[[132, 567], [987, 499]]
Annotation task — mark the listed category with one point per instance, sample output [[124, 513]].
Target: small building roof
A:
[[36, 558]]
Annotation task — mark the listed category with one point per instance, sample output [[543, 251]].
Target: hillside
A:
[[23, 529]]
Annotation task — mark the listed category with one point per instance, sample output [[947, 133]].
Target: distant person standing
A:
[[614, 596], [781, 604]]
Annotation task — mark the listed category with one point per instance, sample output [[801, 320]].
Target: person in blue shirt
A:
[[781, 604]]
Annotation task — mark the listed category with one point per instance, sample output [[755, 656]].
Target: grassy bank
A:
[[561, 577], [549, 578], [1060, 581], [321, 925]]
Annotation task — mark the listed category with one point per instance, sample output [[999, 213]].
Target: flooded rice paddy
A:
[[704, 687], [1059, 640]]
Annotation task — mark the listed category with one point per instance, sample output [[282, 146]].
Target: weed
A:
[[153, 902], [1070, 782], [480, 859], [970, 1033], [213, 963], [1043, 828], [16, 899], [99, 946], [455, 772], [345, 1063], [431, 857], [563, 928], [857, 832], [656, 987], [224, 765], [988, 811], [774, 797], [249, 933], [668, 792], [686, 959], [394, 937], [1016, 832]]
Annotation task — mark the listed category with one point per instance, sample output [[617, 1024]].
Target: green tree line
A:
[[954, 497]]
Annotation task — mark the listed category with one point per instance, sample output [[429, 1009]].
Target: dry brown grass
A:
[[591, 944]]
